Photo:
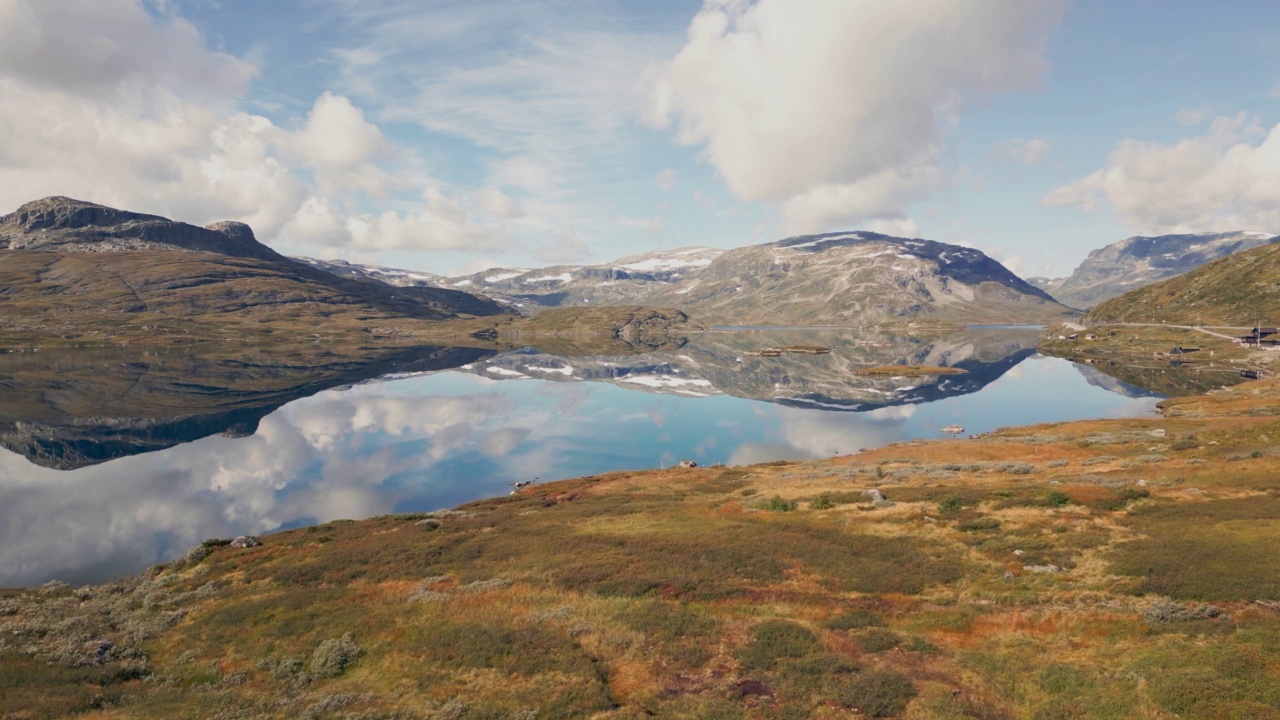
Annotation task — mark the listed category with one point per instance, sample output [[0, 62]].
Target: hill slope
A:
[[1138, 261], [70, 268], [1237, 290]]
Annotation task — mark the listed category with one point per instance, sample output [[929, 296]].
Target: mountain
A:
[[1237, 290], [78, 271], [626, 281], [860, 278], [1138, 261], [390, 276]]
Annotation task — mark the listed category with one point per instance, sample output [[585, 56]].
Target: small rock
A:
[[1042, 568], [1008, 576], [1142, 482], [1017, 552], [877, 498], [246, 541], [930, 520], [1158, 432]]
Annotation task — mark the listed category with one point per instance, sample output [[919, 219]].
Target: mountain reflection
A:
[[68, 410]]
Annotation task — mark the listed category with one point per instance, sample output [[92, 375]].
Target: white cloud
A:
[[96, 47], [337, 135], [106, 103], [1227, 178], [877, 198], [666, 180], [837, 104]]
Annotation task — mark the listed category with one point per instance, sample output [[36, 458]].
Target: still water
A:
[[113, 464]]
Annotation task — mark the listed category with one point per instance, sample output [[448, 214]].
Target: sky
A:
[[456, 135]]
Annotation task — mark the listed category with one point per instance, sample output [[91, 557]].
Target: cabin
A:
[[1259, 336], [1073, 336], [1183, 350], [1091, 336], [1249, 374]]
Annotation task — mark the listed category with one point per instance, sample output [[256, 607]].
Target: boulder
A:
[[245, 541]]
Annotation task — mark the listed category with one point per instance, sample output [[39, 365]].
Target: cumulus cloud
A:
[[93, 47], [1227, 178], [839, 106], [106, 103], [336, 135]]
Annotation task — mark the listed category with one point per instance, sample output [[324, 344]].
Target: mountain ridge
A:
[[1140, 260]]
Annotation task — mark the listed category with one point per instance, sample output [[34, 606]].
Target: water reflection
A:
[[424, 441]]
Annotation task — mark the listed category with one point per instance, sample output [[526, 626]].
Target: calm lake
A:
[[113, 463]]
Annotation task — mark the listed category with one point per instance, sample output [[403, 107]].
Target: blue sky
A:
[[450, 136]]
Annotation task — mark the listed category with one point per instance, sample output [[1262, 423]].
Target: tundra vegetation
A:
[[1037, 572]]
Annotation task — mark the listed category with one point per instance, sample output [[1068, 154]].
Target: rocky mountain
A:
[[859, 278], [1139, 261], [61, 224], [626, 281], [390, 276], [1237, 290], [76, 270]]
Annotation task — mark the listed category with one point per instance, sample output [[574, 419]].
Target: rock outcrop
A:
[[65, 225]]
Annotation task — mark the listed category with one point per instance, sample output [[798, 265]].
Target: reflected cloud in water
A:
[[437, 440]]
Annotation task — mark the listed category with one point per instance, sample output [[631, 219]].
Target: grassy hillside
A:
[[1237, 290], [143, 295], [1106, 569]]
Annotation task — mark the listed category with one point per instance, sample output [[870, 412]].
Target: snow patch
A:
[[462, 283], [566, 371], [503, 276], [664, 381], [504, 372], [563, 277]]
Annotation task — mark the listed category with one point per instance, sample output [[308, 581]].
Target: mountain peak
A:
[[69, 225], [61, 213]]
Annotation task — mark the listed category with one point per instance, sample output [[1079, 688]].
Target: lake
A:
[[113, 462]]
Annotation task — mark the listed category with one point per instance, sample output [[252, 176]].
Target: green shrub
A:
[[951, 504], [332, 657], [1056, 498], [822, 502], [777, 504], [1186, 442], [776, 639], [979, 525], [879, 693], [878, 640]]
